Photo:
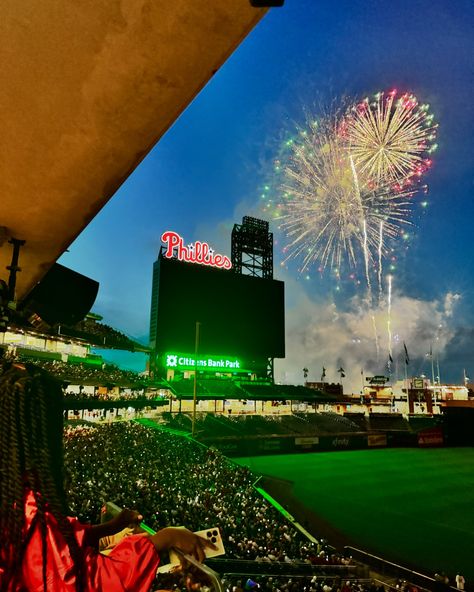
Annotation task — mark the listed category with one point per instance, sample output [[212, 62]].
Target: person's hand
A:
[[192, 585], [182, 539], [127, 518]]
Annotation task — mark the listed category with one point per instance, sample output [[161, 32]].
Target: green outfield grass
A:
[[409, 505]]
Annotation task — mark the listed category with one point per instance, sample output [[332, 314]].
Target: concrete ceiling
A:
[[87, 88]]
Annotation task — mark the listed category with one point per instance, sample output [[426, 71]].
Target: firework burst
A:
[[390, 138], [329, 212]]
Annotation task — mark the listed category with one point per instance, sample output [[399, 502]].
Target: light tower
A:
[[252, 254]]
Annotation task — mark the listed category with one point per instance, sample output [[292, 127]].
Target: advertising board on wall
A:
[[374, 440], [430, 437]]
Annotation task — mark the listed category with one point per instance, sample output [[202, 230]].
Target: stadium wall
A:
[[258, 446]]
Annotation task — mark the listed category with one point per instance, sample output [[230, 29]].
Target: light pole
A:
[[196, 347]]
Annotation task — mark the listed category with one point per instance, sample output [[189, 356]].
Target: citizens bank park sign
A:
[[197, 252], [188, 362]]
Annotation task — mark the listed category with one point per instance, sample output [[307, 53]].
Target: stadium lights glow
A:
[[197, 252]]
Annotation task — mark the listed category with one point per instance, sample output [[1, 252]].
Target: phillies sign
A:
[[194, 253]]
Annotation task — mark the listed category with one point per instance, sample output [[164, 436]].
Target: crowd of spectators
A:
[[131, 396], [104, 374], [174, 481], [102, 334], [301, 584]]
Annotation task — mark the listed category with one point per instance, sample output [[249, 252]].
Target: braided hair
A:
[[31, 458]]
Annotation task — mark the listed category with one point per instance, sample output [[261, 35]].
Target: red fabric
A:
[[131, 566]]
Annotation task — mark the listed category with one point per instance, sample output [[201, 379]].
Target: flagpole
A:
[[406, 387], [432, 363], [341, 372], [407, 359], [433, 375]]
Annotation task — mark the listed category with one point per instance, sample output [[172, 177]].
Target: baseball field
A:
[[412, 506]]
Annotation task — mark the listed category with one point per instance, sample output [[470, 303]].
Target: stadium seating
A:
[[175, 481], [88, 372], [359, 419], [330, 423], [422, 422], [182, 388], [221, 388], [299, 424], [388, 422]]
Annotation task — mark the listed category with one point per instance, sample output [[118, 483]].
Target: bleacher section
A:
[[211, 388], [388, 422], [177, 421], [103, 336], [221, 388], [422, 422], [283, 392], [359, 419], [209, 425], [250, 425], [226, 388], [330, 423], [219, 426], [183, 388]]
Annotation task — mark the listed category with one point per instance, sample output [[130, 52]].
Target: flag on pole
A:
[[323, 375], [407, 359]]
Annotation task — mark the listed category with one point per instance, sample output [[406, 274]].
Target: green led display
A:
[[211, 363]]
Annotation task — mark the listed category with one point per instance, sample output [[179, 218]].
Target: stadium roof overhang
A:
[[86, 90], [316, 397]]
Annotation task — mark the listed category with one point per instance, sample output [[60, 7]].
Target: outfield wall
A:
[[258, 445]]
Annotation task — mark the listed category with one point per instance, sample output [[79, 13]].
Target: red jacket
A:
[[131, 566]]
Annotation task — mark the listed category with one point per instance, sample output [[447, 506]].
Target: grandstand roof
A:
[[86, 90]]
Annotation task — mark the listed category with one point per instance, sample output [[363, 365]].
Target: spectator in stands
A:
[[460, 581], [84, 373], [40, 548]]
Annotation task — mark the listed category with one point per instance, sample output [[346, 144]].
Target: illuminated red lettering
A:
[[194, 253], [173, 240]]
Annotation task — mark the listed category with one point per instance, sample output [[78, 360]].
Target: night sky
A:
[[210, 167]]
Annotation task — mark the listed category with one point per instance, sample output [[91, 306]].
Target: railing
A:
[[247, 567], [394, 570]]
